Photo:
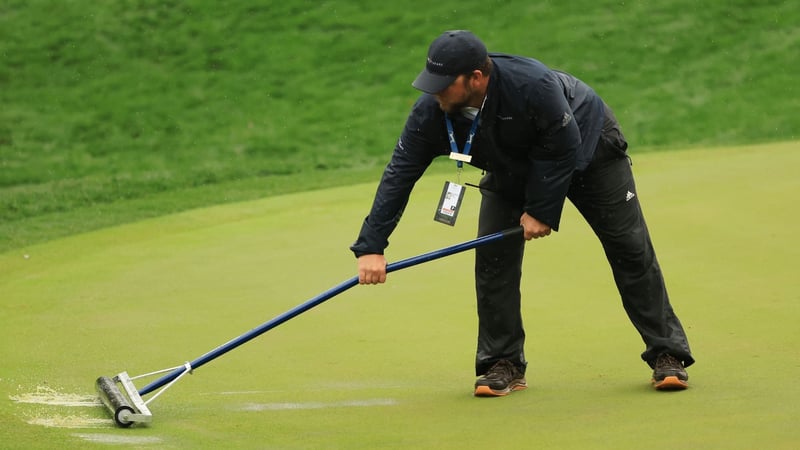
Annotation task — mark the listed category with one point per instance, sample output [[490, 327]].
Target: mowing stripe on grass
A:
[[117, 439], [319, 405]]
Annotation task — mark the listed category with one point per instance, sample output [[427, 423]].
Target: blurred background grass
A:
[[117, 111]]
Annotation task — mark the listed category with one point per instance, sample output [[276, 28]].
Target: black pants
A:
[[605, 195]]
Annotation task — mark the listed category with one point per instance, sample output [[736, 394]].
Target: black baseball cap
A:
[[450, 55]]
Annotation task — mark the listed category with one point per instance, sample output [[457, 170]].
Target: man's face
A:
[[456, 96]]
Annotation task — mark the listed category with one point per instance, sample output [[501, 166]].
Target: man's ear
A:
[[477, 78]]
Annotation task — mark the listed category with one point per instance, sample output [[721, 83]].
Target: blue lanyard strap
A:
[[451, 135]]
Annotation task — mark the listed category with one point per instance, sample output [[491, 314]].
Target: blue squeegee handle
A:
[[336, 290]]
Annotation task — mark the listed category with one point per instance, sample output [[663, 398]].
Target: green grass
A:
[[144, 113], [109, 106], [390, 366]]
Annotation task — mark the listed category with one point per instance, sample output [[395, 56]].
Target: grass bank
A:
[[182, 104]]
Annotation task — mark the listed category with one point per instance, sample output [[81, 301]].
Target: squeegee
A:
[[127, 404]]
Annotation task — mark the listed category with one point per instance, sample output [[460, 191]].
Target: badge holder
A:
[[449, 203]]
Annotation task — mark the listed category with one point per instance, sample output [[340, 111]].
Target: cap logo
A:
[[434, 63]]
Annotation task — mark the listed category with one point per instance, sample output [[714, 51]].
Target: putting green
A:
[[390, 366]]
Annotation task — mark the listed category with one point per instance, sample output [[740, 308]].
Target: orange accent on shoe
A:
[[486, 391], [671, 383]]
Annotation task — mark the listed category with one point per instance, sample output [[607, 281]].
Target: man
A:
[[540, 136]]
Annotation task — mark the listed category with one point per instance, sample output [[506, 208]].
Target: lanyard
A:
[[454, 152], [462, 156]]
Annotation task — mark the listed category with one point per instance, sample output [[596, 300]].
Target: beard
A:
[[451, 106]]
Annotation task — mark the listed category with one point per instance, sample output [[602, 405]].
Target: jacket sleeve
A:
[[552, 157], [412, 155]]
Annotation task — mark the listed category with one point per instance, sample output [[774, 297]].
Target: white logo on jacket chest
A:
[[505, 117]]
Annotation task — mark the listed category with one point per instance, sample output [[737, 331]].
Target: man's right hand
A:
[[371, 269]]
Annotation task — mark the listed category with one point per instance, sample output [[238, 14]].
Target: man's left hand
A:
[[533, 228]]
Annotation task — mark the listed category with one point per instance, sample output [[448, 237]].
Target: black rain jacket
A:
[[536, 128]]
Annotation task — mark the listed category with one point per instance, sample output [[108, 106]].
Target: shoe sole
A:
[[671, 383], [486, 391]]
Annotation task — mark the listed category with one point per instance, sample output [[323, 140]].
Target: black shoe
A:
[[669, 374], [502, 379]]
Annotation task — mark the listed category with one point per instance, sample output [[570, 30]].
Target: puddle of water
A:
[[70, 422], [118, 439]]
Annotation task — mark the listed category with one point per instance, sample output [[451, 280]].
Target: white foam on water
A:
[[70, 422], [47, 396], [118, 439], [318, 405], [48, 417]]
